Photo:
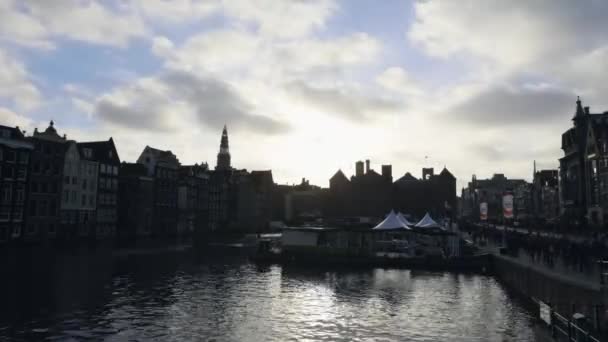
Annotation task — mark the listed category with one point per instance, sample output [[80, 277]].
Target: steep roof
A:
[[338, 176], [406, 178], [447, 174], [102, 151]]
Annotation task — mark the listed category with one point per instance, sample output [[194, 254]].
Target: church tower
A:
[[223, 157]]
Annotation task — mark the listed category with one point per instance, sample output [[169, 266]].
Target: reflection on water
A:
[[187, 295]]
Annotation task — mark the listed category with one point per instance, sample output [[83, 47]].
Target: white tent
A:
[[404, 220], [428, 223], [391, 222]]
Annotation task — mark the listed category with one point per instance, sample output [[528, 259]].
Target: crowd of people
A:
[[579, 254]]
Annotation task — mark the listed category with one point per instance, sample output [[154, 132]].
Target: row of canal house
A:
[[53, 188]]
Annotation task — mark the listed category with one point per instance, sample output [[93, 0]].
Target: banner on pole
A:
[[483, 211], [507, 206]]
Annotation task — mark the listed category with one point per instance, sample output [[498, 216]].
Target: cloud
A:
[[8, 117], [398, 80], [513, 106], [284, 19], [35, 23], [173, 98], [176, 10], [15, 83], [347, 102]]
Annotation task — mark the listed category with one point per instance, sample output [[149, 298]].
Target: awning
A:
[[391, 222]]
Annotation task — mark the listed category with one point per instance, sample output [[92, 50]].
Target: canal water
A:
[[188, 295]]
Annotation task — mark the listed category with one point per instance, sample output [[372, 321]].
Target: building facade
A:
[[584, 168], [104, 155], [163, 167], [369, 194], [15, 152], [78, 194], [135, 202], [545, 195], [46, 179], [491, 191], [193, 199]]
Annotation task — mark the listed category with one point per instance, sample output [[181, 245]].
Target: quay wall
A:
[[566, 296]]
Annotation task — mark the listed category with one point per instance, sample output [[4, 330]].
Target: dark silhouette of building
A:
[[163, 167], [491, 191], [298, 204], [15, 153], [193, 199], [44, 197], [223, 156], [135, 202], [104, 154], [584, 168], [238, 200], [373, 195], [545, 195]]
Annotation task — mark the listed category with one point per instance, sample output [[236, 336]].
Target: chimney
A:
[[359, 168], [587, 110], [366, 166], [387, 172]]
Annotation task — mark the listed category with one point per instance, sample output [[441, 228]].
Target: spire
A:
[[223, 157], [579, 109]]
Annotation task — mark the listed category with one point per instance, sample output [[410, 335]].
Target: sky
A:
[[309, 87]]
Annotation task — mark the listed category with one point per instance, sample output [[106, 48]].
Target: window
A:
[[21, 173], [74, 180], [88, 153], [103, 168], [6, 133], [33, 210], [1, 154], [83, 200], [74, 196], [5, 213], [24, 157], [53, 188], [11, 156], [51, 228], [20, 195], [52, 208], [84, 184], [18, 214], [36, 167], [8, 172], [66, 196], [31, 228], [66, 179], [115, 170], [7, 193], [43, 187], [114, 184], [91, 200], [43, 207], [110, 154]]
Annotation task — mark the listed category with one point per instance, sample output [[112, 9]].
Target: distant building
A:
[[545, 195], [370, 194], [15, 153], [299, 203], [105, 156], [46, 178], [163, 167], [238, 200], [584, 167], [491, 191], [78, 206], [193, 199], [135, 202]]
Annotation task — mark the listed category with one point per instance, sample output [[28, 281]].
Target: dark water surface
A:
[[188, 296]]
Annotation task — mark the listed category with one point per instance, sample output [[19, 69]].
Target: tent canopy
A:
[[428, 223], [391, 222], [404, 220]]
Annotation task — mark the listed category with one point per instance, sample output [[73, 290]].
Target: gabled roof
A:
[[447, 174], [102, 151], [49, 134], [163, 157], [406, 178], [338, 176]]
